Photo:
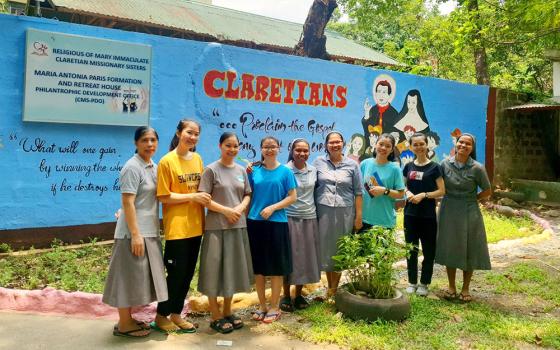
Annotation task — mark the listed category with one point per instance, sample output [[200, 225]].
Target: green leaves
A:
[[368, 258]]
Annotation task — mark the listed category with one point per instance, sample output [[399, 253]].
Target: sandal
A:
[[220, 326], [185, 327], [300, 303], [465, 298], [259, 315], [170, 328], [140, 324], [130, 334], [286, 304], [235, 321], [272, 316], [448, 295]]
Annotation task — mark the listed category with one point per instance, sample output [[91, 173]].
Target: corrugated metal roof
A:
[[529, 107], [218, 22]]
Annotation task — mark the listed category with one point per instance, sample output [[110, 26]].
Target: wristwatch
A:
[[425, 194], [387, 191]]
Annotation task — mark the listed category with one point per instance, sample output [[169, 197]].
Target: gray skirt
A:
[[334, 222], [133, 280], [461, 239], [225, 263], [304, 236]]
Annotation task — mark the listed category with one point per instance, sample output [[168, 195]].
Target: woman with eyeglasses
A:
[[338, 197], [274, 189]]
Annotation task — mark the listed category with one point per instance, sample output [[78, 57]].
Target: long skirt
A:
[[134, 280], [334, 222], [461, 239], [270, 247], [304, 238], [226, 267]]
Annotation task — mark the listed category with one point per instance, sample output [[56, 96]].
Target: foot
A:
[[234, 320], [259, 315], [450, 294], [286, 304], [222, 326], [164, 325], [465, 297], [411, 288], [422, 290], [300, 303], [137, 332], [183, 324], [272, 316]]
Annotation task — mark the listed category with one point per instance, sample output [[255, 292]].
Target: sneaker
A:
[[422, 290], [411, 289]]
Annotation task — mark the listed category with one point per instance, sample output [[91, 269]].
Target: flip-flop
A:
[[138, 323], [232, 319], [447, 295], [130, 334], [272, 316], [220, 326], [286, 304], [300, 303], [185, 327], [465, 298], [260, 315], [165, 330]]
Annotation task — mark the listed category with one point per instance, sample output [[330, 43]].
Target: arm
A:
[[284, 203], [358, 201], [231, 214], [484, 195], [175, 198], [137, 241], [434, 194]]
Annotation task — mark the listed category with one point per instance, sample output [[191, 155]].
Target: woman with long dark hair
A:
[[412, 113], [461, 239], [338, 197], [183, 216], [424, 183], [225, 261], [136, 274]]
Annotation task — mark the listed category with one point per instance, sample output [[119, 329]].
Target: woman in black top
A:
[[424, 183]]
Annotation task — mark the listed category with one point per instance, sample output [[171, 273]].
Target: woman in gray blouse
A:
[[461, 240], [136, 274], [338, 197]]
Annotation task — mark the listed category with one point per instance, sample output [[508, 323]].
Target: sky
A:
[[289, 10]]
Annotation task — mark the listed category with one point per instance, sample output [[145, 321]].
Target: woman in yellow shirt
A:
[[183, 222]]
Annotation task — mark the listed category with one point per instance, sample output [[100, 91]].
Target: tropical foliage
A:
[[497, 42]]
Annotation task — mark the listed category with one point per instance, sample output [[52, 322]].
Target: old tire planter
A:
[[363, 308]]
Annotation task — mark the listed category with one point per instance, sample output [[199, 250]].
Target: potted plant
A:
[[368, 259]]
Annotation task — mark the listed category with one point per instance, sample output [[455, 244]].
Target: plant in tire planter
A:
[[368, 259]]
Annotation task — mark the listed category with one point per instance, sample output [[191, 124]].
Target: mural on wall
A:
[[58, 174]]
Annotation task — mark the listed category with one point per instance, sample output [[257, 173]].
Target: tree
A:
[[313, 40]]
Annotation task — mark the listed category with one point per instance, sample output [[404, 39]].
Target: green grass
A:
[[439, 324], [498, 227]]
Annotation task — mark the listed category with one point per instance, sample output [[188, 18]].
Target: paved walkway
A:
[[22, 331]]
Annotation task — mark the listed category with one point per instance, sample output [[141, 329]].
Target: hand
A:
[[367, 107], [267, 212], [377, 191], [358, 223], [232, 215], [417, 198], [202, 198], [137, 245]]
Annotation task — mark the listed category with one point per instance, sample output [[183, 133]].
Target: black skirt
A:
[[270, 247]]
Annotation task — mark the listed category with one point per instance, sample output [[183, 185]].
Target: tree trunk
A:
[[313, 40], [480, 64]]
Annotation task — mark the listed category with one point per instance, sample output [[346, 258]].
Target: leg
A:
[[186, 266], [234, 320], [260, 286], [214, 308], [451, 273], [128, 324], [172, 250], [428, 239], [286, 301], [273, 313], [467, 276], [299, 288], [286, 287], [411, 236]]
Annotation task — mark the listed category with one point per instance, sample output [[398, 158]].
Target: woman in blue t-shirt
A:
[[424, 183], [383, 184], [274, 189]]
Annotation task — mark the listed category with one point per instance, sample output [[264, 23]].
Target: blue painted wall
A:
[[35, 193]]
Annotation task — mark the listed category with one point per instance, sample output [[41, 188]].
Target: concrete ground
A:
[[23, 331]]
